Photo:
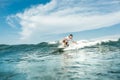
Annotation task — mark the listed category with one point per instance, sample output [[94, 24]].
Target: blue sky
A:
[[34, 21], [7, 7]]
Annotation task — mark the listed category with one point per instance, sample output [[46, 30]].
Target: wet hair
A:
[[71, 35]]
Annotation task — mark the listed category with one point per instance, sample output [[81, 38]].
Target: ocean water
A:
[[46, 61]]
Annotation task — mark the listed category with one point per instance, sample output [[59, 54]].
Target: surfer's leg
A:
[[63, 42], [67, 44]]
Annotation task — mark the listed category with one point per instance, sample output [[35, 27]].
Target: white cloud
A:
[[61, 16], [10, 21]]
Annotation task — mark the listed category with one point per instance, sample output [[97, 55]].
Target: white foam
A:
[[83, 43], [52, 42]]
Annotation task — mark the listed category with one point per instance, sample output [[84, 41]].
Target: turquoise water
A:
[[46, 62]]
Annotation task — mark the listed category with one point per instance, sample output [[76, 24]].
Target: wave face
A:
[[91, 60], [40, 48]]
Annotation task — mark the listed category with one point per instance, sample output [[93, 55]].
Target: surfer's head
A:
[[70, 36]]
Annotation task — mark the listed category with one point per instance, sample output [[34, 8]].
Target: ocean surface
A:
[[45, 61]]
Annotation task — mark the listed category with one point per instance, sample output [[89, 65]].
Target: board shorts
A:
[[66, 43]]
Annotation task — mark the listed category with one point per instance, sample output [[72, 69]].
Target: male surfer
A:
[[67, 40]]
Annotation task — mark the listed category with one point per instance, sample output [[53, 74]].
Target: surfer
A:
[[67, 40]]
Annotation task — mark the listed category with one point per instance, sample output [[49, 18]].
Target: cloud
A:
[[62, 16], [10, 21]]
